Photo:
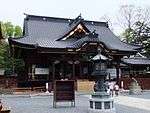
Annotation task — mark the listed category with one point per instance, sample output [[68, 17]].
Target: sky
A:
[[13, 10]]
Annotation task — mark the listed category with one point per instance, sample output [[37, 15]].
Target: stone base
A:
[[47, 92], [101, 102], [135, 91], [101, 111], [135, 88]]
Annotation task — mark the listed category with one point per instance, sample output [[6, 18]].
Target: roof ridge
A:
[[131, 44], [38, 17], [137, 58]]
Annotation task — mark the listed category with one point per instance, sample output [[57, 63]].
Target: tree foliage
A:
[[10, 30], [7, 62], [136, 24], [17, 31], [2, 54]]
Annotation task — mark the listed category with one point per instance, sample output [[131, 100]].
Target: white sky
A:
[[12, 10]]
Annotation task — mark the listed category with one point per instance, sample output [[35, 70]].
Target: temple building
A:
[[136, 66], [62, 48]]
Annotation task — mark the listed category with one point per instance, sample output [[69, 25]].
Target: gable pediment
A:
[[77, 29]]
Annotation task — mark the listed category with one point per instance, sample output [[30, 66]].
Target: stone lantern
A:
[[134, 87], [100, 101]]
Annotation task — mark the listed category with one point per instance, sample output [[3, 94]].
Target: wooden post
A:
[[117, 73], [13, 57], [63, 67], [73, 70], [53, 82], [53, 75], [53, 66], [80, 70], [25, 75]]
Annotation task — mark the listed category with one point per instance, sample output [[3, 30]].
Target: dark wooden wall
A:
[[8, 82], [143, 82]]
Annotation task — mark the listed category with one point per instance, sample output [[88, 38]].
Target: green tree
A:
[[128, 35], [17, 31], [2, 56], [141, 36], [136, 25], [7, 62], [10, 30]]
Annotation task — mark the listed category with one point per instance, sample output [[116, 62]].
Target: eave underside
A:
[[42, 50]]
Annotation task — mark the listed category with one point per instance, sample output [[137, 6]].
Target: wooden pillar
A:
[[73, 70], [53, 83], [117, 73], [53, 75], [117, 65], [62, 64], [53, 66], [13, 57], [25, 74], [80, 66], [49, 75]]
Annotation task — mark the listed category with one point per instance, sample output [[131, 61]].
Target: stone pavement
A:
[[138, 103], [43, 104]]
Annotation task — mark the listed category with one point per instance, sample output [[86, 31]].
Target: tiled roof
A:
[[78, 43], [45, 32], [137, 61]]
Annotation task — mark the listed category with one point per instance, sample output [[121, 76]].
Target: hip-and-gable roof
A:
[[45, 32]]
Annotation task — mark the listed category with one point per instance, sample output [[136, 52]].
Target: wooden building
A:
[[137, 66], [59, 48]]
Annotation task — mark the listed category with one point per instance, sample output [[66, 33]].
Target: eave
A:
[[67, 50], [21, 45]]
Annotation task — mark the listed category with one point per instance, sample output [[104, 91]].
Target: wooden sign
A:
[[64, 91], [41, 71]]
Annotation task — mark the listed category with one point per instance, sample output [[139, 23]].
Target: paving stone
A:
[[43, 104]]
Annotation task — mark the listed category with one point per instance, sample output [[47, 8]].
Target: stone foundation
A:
[[135, 88], [101, 103]]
